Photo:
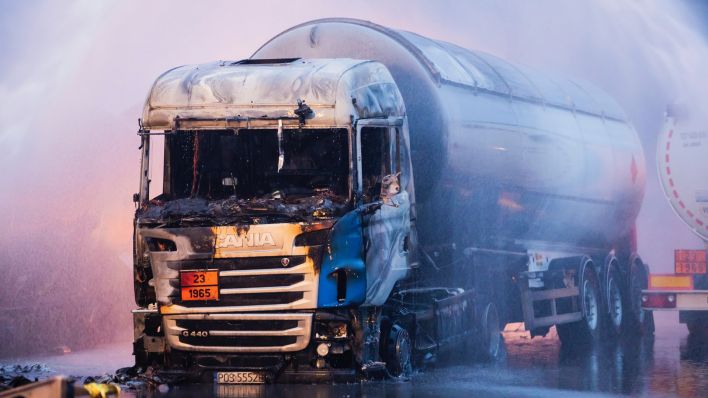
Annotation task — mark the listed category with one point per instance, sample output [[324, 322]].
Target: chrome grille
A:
[[241, 263], [254, 284], [239, 332]]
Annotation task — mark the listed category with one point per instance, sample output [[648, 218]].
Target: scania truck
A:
[[354, 201]]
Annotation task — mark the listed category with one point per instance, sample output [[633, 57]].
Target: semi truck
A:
[[682, 166], [357, 201]]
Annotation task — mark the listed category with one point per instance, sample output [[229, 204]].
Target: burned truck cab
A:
[[273, 218]]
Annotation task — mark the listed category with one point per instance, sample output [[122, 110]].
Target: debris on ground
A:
[[17, 381], [12, 376], [32, 368], [130, 378]]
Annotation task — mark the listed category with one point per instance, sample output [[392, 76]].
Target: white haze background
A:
[[74, 74]]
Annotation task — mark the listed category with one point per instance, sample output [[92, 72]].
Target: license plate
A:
[[239, 378], [199, 285]]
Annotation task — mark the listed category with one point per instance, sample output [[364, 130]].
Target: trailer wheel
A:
[[615, 303], [488, 344], [399, 350], [638, 321], [588, 330]]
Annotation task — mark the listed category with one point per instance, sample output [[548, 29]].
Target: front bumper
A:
[[320, 345], [299, 362]]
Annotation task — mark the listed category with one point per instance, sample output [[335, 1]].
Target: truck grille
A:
[[253, 324], [252, 284], [227, 341], [248, 300], [239, 332], [241, 263], [241, 282]]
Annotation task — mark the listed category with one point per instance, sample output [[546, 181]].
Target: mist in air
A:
[[74, 74]]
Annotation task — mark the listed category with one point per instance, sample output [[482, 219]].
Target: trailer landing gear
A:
[[697, 324]]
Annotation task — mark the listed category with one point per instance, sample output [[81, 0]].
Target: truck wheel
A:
[[488, 344], [588, 330], [399, 350], [615, 304]]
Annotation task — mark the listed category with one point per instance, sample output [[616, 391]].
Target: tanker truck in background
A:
[[355, 200], [682, 165]]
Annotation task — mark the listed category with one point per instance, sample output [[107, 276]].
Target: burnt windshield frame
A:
[[327, 149]]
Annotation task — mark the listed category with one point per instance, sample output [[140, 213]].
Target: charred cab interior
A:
[[232, 175], [218, 164]]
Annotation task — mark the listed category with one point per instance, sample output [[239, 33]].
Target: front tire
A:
[[399, 351]]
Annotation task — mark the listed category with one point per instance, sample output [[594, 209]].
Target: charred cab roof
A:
[[243, 91]]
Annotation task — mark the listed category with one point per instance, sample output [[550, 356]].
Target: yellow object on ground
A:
[[100, 390]]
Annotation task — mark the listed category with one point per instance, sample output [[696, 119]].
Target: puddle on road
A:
[[670, 364]]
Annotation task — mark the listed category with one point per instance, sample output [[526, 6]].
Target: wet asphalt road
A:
[[671, 364]]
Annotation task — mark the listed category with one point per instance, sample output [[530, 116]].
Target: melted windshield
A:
[[245, 164]]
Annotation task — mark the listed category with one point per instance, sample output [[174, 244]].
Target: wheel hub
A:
[[493, 331], [590, 305], [615, 304]]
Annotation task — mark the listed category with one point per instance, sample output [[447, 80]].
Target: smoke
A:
[[73, 76]]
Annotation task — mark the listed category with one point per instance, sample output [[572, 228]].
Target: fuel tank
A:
[[503, 156]]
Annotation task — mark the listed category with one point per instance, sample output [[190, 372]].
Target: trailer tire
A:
[[587, 331], [487, 344], [616, 293], [639, 322]]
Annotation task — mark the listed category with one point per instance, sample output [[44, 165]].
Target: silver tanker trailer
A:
[[356, 200]]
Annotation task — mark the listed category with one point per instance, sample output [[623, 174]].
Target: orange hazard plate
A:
[[690, 261], [200, 293], [199, 285]]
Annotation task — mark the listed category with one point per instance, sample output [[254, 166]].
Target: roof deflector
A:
[[265, 61]]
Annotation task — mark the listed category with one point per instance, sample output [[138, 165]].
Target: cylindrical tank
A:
[[682, 161], [503, 157]]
